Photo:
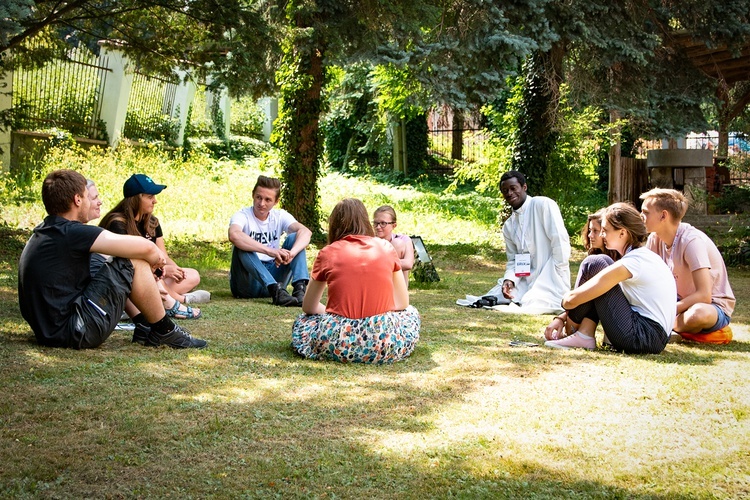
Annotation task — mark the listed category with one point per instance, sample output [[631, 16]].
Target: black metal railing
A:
[[150, 109], [63, 94], [447, 151]]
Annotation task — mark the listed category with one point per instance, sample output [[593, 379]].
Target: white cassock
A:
[[537, 228]]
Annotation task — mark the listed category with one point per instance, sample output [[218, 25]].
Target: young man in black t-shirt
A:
[[62, 302]]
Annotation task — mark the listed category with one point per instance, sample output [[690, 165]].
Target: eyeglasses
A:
[[379, 224]]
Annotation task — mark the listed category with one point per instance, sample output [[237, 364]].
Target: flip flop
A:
[[177, 313]]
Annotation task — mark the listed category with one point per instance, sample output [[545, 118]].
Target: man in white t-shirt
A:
[[705, 300], [261, 265]]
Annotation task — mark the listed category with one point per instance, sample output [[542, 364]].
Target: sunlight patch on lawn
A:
[[639, 434]]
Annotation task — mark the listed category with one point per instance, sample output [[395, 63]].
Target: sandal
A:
[[186, 313]]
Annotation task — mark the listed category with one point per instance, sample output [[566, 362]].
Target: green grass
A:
[[466, 416]]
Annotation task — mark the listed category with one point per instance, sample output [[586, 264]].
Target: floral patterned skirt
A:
[[384, 338]]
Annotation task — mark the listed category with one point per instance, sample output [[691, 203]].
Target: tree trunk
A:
[[457, 146], [537, 134], [616, 190], [299, 140], [723, 94]]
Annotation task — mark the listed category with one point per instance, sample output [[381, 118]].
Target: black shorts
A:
[[98, 309]]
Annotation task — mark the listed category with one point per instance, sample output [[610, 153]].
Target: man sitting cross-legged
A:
[[261, 265], [62, 302], [705, 301]]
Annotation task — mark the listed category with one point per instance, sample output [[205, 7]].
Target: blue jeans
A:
[[250, 277]]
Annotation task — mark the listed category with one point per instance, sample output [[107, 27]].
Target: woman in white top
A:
[[634, 298], [384, 222], [593, 243]]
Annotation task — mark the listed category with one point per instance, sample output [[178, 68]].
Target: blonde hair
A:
[[671, 200], [385, 209], [349, 216]]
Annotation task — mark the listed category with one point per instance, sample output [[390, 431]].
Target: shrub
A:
[[246, 118], [234, 148], [734, 199], [143, 125]]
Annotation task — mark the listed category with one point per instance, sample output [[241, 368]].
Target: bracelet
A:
[[561, 319]]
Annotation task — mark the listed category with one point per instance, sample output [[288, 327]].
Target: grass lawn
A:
[[466, 416]]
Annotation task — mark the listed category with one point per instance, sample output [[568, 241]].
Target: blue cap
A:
[[140, 183]]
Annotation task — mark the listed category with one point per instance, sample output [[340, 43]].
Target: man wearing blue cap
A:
[[67, 306]]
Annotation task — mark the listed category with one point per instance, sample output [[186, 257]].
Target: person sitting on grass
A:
[[705, 299], [96, 202], [140, 332], [537, 247], [591, 237], [134, 216], [261, 265], [633, 298], [63, 303], [367, 318], [384, 222]]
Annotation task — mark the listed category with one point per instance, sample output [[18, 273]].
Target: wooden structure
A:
[[728, 66]]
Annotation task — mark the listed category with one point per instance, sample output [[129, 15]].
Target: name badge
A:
[[523, 264]]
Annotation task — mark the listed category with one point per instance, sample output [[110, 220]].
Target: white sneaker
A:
[[197, 297], [577, 340], [675, 338]]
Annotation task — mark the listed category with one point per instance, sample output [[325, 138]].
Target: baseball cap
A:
[[140, 183]]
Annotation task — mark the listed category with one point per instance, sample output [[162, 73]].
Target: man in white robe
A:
[[537, 245]]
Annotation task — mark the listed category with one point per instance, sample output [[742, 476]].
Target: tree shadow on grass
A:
[[254, 418], [286, 439]]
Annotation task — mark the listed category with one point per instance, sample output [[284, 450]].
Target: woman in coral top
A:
[[367, 318]]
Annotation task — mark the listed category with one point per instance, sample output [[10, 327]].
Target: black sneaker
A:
[[178, 338], [140, 334], [299, 291], [283, 299]]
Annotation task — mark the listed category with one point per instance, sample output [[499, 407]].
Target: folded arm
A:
[[596, 286], [702, 294], [246, 243], [129, 247]]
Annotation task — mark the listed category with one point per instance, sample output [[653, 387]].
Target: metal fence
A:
[[441, 145], [63, 93], [150, 110], [737, 160]]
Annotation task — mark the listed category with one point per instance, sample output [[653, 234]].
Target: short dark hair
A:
[[513, 174], [268, 183], [349, 216], [60, 188]]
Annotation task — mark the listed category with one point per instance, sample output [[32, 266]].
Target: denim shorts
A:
[[722, 320], [98, 309]]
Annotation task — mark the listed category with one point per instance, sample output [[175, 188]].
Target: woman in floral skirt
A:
[[367, 318]]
